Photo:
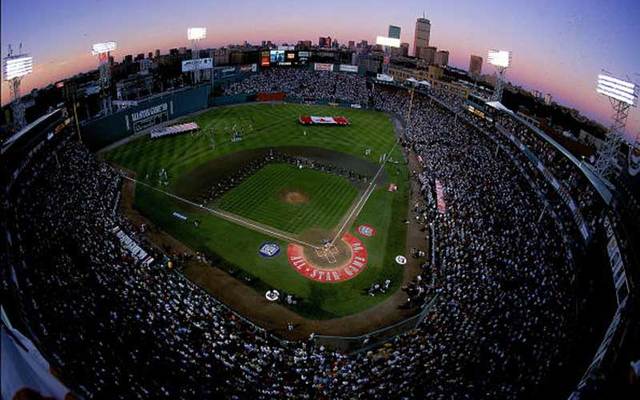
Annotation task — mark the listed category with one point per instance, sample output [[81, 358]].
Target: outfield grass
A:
[[267, 125], [260, 198], [271, 126]]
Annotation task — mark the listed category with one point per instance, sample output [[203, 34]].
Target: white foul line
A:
[[365, 196], [359, 205], [227, 216]]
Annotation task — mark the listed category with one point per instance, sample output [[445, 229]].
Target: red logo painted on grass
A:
[[356, 264], [366, 230]]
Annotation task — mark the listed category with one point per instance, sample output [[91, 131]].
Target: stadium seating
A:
[[117, 325]]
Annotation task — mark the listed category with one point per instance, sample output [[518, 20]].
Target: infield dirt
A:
[[293, 196]]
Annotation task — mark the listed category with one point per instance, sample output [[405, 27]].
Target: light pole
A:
[[195, 35], [103, 51], [501, 60], [16, 67], [623, 96]]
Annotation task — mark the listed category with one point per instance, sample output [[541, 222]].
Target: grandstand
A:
[[528, 290]]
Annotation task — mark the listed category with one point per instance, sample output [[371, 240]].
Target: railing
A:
[[559, 188], [363, 343], [594, 179]]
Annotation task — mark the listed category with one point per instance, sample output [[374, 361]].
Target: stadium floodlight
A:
[[617, 89], [499, 58], [196, 33], [622, 95], [102, 48], [387, 41], [17, 66]]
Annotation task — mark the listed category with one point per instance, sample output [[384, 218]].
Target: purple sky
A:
[[558, 46]]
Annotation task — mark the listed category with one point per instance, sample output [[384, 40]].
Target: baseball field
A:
[[326, 183]]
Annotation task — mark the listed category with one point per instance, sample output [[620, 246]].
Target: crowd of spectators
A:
[[118, 328], [494, 257], [559, 165], [305, 84]]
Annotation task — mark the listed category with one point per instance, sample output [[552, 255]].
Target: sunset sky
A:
[[558, 46]]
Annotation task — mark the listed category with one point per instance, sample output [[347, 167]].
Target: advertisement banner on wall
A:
[[248, 68], [149, 117], [348, 68], [323, 67], [197, 64]]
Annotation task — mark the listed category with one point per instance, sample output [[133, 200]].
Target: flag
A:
[[442, 205]]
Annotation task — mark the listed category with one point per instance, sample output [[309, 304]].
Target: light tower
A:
[[195, 35], [622, 95], [103, 51], [15, 67], [501, 60]]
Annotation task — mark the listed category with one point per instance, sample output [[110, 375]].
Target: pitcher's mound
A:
[[291, 196]]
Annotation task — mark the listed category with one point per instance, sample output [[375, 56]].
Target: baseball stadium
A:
[[316, 212], [298, 221]]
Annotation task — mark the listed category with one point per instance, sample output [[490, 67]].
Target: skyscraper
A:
[[421, 37], [441, 58], [324, 41], [475, 65], [394, 31], [404, 49], [428, 54]]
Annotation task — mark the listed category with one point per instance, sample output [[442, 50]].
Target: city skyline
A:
[[557, 48]]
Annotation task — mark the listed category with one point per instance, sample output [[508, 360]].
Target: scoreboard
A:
[[283, 58], [265, 59]]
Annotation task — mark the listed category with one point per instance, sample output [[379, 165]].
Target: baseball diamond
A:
[[287, 184]]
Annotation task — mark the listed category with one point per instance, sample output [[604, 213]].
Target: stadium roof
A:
[[595, 180], [13, 138], [499, 106]]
